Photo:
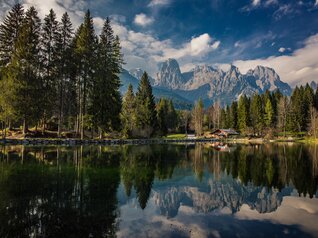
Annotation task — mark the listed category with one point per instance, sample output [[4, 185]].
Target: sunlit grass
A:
[[175, 136]]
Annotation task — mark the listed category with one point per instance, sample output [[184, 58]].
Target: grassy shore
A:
[[52, 135]]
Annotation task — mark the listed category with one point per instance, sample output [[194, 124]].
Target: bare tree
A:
[[216, 115], [185, 119], [283, 105], [198, 115], [313, 123]]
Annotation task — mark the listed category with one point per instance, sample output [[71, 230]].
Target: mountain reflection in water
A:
[[172, 190]]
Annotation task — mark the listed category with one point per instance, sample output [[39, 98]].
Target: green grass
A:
[[175, 136]]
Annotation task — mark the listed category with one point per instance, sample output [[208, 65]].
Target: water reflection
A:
[[152, 190]]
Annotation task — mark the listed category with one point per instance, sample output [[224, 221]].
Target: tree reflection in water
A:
[[72, 191]]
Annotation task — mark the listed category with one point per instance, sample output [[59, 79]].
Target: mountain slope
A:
[[179, 102], [213, 84]]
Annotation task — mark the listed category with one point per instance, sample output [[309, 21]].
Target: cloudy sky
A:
[[282, 34]]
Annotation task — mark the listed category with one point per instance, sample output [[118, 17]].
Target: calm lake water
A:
[[175, 190]]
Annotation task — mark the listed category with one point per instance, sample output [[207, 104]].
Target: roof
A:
[[225, 131]]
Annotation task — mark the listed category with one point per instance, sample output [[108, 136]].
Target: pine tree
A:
[[256, 112], [172, 116], [296, 117], [24, 71], [128, 113], [50, 43], [269, 113], [146, 113], [224, 118], [243, 114], [65, 83], [162, 116], [233, 115], [9, 33], [85, 53], [106, 103]]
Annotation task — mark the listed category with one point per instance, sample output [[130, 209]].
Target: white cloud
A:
[[253, 5], [237, 44], [202, 44], [5, 6], [282, 49], [143, 20], [316, 3], [283, 10], [300, 67], [75, 8], [271, 2], [143, 50], [118, 18], [154, 3], [256, 3]]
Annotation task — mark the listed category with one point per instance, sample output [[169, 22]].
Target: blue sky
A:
[[277, 33]]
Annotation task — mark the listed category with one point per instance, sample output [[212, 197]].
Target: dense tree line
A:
[[51, 75], [271, 113], [142, 117]]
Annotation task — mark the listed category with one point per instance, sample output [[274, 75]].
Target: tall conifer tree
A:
[[9, 32], [146, 107], [85, 44]]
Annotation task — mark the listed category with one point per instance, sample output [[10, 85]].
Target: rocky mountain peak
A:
[[267, 79], [313, 85], [212, 84], [169, 75], [137, 73]]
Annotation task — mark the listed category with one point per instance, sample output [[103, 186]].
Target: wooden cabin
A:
[[224, 133]]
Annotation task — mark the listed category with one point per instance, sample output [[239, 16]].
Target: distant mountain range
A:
[[206, 82]]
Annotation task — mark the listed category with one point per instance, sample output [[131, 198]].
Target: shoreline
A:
[[75, 142]]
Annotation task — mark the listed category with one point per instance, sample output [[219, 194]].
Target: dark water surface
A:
[[173, 190]]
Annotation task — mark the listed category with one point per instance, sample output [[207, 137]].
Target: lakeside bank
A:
[[74, 142]]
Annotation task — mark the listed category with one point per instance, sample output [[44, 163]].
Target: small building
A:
[[191, 136], [224, 133]]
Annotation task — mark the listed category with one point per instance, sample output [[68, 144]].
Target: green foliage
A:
[[9, 33], [269, 113], [105, 90], [167, 116], [48, 72], [128, 113], [243, 114], [256, 112], [21, 75], [146, 108]]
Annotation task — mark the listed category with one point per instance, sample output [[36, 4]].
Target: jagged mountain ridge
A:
[[213, 84], [206, 82], [179, 102]]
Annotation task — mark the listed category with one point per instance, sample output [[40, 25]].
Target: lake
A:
[[168, 190]]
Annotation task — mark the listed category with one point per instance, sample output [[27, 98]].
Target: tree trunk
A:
[[100, 133], [10, 125], [4, 129], [76, 126], [59, 127], [43, 126], [24, 127], [82, 127]]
